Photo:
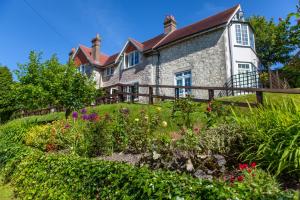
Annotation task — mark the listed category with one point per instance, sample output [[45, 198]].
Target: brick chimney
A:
[[71, 53], [169, 24], [96, 47]]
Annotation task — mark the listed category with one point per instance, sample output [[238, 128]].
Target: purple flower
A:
[[83, 111], [75, 115], [85, 117], [93, 116]]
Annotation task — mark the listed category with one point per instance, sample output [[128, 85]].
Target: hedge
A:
[[50, 176]]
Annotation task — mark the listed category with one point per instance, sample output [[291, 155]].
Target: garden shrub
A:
[[38, 136], [69, 177], [183, 108], [273, 136], [225, 139]]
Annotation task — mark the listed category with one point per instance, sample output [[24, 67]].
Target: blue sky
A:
[[77, 22]]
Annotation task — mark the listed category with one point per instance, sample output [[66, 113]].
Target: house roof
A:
[[88, 53], [164, 39]]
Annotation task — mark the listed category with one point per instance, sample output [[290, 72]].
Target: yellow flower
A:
[[158, 109], [136, 119], [164, 124]]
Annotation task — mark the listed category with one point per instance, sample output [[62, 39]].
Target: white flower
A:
[[136, 119]]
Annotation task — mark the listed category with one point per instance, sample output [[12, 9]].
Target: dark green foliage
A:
[[275, 42], [291, 72], [182, 110], [6, 105], [68, 177]]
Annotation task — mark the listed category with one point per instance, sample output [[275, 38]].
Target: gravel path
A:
[[121, 157]]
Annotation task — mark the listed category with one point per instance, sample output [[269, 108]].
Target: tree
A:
[[291, 72], [50, 83], [6, 81], [274, 42], [77, 90]]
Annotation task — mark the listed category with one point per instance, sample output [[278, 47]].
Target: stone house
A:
[[206, 53]]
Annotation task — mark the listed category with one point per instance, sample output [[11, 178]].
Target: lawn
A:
[[274, 97]]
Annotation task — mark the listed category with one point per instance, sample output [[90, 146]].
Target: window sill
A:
[[244, 46], [133, 66]]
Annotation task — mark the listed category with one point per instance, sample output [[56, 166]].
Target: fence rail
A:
[[120, 96]]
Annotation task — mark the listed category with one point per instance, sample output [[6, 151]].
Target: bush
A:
[[69, 177], [38, 136], [273, 136], [225, 139]]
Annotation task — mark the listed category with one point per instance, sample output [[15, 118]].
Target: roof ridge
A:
[[208, 17]]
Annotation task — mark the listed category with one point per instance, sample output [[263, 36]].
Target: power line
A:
[[46, 22]]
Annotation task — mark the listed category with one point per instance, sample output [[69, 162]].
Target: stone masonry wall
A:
[[142, 73], [204, 55]]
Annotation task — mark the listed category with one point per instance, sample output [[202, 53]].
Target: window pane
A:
[[245, 34], [178, 74], [136, 57], [188, 82], [238, 34], [252, 40], [187, 73], [179, 82]]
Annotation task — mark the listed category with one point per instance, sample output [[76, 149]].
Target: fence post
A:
[[176, 93], [150, 95], [210, 94], [132, 94], [259, 97], [120, 91]]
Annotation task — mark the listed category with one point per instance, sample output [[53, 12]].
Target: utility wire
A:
[[46, 22]]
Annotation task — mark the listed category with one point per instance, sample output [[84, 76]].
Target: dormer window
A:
[[109, 71], [133, 58]]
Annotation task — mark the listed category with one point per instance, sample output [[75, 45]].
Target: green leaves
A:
[[275, 42], [273, 132]]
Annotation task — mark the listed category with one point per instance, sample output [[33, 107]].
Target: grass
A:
[[6, 191], [274, 97]]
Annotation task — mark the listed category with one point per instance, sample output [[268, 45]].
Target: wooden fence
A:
[[119, 95]]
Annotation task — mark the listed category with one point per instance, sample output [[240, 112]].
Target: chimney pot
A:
[[71, 53], [169, 24], [96, 48]]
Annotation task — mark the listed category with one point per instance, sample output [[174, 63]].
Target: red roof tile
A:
[[88, 52], [203, 25]]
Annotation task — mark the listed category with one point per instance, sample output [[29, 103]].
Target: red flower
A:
[[232, 178], [243, 166], [240, 178], [208, 109], [253, 165]]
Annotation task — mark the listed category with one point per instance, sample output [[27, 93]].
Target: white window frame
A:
[[183, 92], [133, 55], [127, 89], [109, 71], [242, 35]]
